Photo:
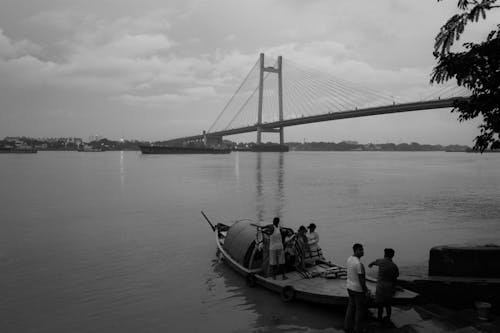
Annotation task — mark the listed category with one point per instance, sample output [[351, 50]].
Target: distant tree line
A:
[[354, 146], [349, 146]]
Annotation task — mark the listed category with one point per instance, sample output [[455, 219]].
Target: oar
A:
[[206, 218]]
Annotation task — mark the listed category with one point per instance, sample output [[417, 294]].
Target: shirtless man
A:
[[388, 273]]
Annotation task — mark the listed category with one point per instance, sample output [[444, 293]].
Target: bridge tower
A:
[[278, 71]]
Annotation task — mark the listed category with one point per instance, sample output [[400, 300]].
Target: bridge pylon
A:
[[279, 72]]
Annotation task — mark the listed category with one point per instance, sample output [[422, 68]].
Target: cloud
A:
[[59, 20], [139, 66], [183, 96], [150, 101], [200, 92], [80, 22], [133, 54], [136, 59], [319, 54], [10, 49], [141, 45]]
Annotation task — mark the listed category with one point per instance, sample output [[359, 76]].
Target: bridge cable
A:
[[318, 86], [232, 97], [344, 82], [342, 92], [244, 104]]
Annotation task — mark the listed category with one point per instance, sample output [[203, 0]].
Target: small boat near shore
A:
[[157, 149], [321, 283]]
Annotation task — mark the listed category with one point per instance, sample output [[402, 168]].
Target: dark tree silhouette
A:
[[477, 68]]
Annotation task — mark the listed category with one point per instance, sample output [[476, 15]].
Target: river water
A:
[[114, 241]]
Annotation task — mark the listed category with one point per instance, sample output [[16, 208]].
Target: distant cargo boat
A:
[[8, 150], [269, 147], [155, 149]]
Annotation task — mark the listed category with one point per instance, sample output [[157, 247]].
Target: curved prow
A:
[[206, 218]]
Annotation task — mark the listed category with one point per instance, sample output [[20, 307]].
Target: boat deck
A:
[[316, 284], [320, 285]]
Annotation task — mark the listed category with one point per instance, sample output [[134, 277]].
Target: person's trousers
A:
[[355, 311]]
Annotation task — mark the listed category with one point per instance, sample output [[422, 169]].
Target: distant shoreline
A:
[[103, 144]]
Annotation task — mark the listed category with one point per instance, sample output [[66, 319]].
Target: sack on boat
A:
[[335, 273], [332, 273]]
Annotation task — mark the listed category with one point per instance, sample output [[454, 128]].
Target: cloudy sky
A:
[[154, 69]]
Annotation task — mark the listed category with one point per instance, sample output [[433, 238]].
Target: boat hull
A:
[[182, 150]]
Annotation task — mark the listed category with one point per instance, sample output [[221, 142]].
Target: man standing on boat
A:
[[388, 273], [357, 290], [276, 250]]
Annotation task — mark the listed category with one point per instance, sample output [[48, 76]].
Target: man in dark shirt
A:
[[388, 273]]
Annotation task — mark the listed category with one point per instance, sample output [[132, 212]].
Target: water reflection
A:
[[260, 190], [279, 177], [122, 173], [237, 167], [280, 198]]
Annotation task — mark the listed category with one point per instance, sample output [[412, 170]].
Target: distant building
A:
[[95, 137]]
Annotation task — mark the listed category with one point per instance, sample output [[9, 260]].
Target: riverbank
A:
[[432, 317]]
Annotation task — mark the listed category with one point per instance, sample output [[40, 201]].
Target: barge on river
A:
[[322, 283], [157, 149]]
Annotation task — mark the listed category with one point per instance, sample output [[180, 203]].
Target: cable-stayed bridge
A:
[[271, 98]]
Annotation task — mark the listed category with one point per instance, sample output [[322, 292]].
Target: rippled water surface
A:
[[114, 241]]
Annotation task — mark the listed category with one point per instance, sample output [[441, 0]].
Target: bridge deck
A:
[[395, 108]]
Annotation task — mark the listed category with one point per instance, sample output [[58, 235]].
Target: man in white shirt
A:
[[357, 290]]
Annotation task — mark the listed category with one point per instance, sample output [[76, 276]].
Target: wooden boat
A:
[[322, 283]]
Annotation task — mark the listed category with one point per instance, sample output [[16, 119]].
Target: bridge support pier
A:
[[277, 70]]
